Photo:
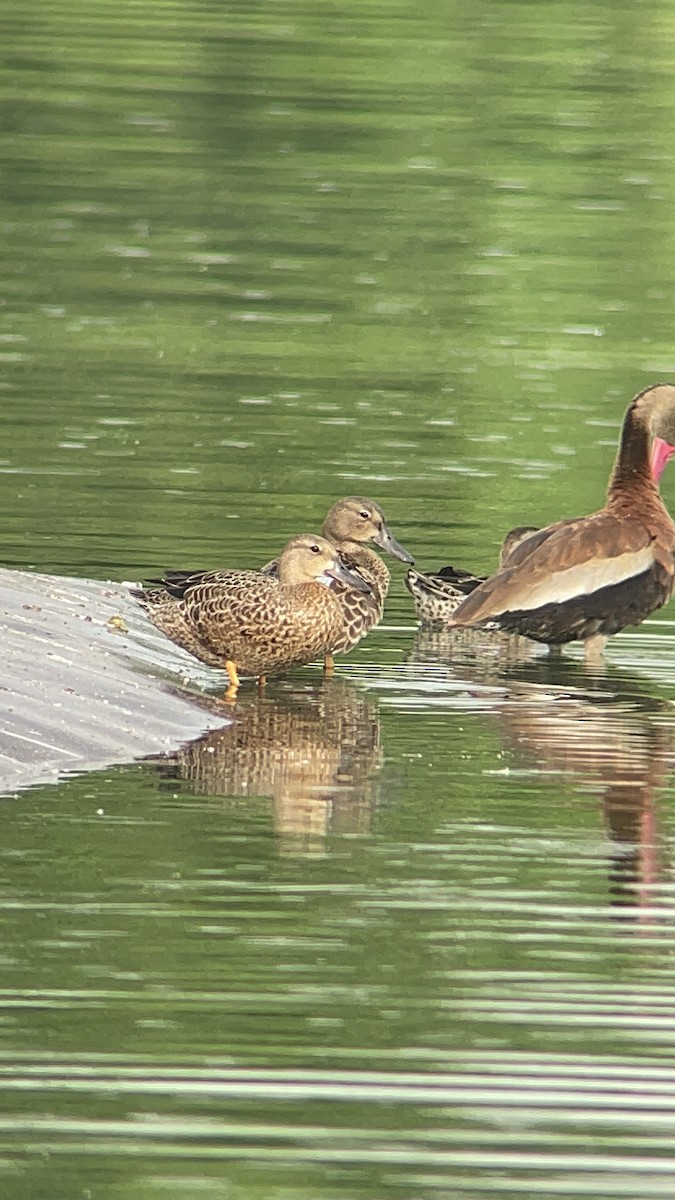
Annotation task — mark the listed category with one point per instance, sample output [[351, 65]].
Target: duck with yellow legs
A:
[[252, 623]]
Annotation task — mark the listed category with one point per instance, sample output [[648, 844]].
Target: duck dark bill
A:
[[385, 539]]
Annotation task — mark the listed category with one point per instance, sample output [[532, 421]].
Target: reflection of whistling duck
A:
[[584, 579], [437, 596], [620, 752]]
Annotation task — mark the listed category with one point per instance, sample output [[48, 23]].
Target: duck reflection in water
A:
[[471, 650], [610, 749], [598, 731], [314, 750]]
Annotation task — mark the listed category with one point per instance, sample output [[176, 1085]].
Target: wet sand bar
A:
[[87, 681]]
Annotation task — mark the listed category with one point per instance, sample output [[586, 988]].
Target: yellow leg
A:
[[262, 680], [328, 666], [232, 690]]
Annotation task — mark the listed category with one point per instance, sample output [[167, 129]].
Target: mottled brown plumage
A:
[[438, 596], [253, 623], [584, 579], [349, 525]]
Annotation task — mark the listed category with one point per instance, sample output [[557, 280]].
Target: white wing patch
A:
[[581, 580]]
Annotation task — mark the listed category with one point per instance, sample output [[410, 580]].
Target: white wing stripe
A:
[[581, 580]]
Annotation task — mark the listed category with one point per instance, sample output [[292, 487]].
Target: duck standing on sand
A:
[[254, 623], [438, 596], [349, 525], [584, 579]]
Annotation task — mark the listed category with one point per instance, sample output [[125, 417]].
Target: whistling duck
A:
[[437, 597], [584, 579], [349, 524], [249, 622]]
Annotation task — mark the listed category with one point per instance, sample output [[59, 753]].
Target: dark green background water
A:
[[410, 934]]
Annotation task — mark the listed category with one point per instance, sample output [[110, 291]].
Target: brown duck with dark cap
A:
[[584, 579]]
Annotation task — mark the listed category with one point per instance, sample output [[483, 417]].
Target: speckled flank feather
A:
[[437, 596], [360, 611], [173, 619], [260, 623]]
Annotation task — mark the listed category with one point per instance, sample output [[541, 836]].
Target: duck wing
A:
[[565, 562]]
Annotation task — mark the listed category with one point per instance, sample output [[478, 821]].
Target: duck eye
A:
[[364, 513], [315, 549]]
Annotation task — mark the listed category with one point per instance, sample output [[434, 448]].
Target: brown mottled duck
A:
[[252, 623], [349, 525]]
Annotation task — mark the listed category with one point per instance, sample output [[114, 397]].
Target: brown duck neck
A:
[[632, 468]]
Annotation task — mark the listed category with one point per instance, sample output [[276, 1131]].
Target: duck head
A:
[[311, 559], [357, 519]]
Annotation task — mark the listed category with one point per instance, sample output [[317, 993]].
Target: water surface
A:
[[409, 932]]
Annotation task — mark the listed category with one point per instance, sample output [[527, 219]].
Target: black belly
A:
[[606, 611]]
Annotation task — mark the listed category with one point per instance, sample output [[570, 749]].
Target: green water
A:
[[407, 933]]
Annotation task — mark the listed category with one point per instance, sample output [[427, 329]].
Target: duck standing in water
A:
[[584, 579], [349, 525], [438, 596], [254, 623]]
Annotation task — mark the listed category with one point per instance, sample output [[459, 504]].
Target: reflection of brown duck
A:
[[616, 745], [608, 749], [478, 652], [315, 751]]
